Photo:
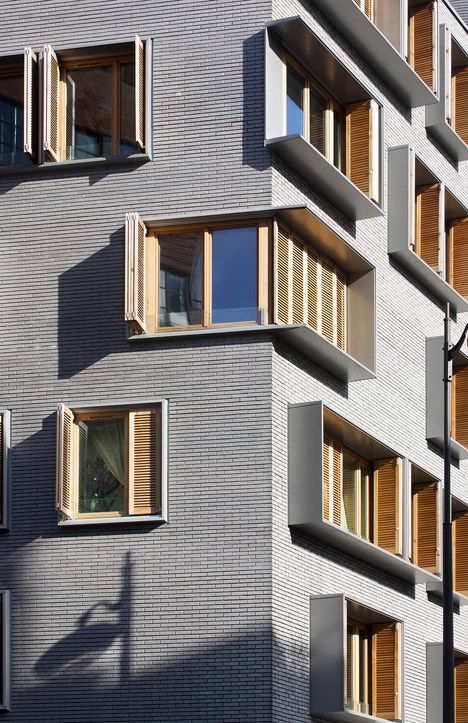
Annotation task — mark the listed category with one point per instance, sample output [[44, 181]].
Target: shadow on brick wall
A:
[[254, 153], [91, 309]]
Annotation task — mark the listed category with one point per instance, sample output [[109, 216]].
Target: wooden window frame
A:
[[357, 665], [333, 109], [264, 233], [115, 62], [126, 413]]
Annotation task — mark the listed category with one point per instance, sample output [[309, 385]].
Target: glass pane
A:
[[127, 110], [318, 108], [350, 517], [234, 261], [89, 112], [338, 139], [365, 505], [11, 121], [294, 101], [180, 279], [349, 696], [101, 465]]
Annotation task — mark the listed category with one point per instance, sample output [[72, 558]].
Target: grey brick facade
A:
[[203, 618]]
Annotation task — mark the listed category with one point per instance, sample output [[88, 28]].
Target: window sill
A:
[[135, 159], [324, 177], [436, 588], [300, 336], [349, 716], [378, 51], [445, 134], [112, 520], [458, 451], [431, 280]]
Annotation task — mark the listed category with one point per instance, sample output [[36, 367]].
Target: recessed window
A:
[[358, 666], [422, 41], [425, 545], [94, 106], [460, 546], [18, 96], [110, 463]]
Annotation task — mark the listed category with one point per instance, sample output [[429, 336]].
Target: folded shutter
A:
[[337, 482], [458, 263], [447, 69], [460, 406], [139, 92], [460, 102], [461, 690], [426, 526], [51, 83], [423, 44], [340, 310], [428, 225], [327, 450], [312, 289], [64, 460], [369, 8], [362, 146], [145, 462], [282, 276], [387, 504], [30, 102], [385, 671], [350, 498], [135, 262], [298, 278], [327, 306], [460, 535]]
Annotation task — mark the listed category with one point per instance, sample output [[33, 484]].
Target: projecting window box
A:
[[112, 463], [434, 676], [397, 38], [87, 104], [321, 120], [360, 496], [284, 272], [427, 228], [355, 662]]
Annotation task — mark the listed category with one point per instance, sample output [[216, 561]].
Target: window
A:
[[422, 41], [195, 277], [363, 497], [425, 544], [460, 406], [4, 467], [4, 650], [111, 462], [309, 288], [94, 104], [314, 114], [372, 655], [460, 547], [458, 118], [18, 96], [461, 689]]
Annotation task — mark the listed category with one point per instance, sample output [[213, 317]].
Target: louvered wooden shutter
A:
[[145, 462], [282, 276], [460, 406], [460, 535], [349, 497], [64, 460], [385, 671], [423, 43], [51, 104], [312, 289], [426, 526], [458, 256], [337, 482], [460, 102], [340, 310], [135, 262], [447, 70], [327, 306], [362, 146], [428, 227], [327, 450], [461, 691], [30, 102], [298, 278], [139, 92], [387, 504]]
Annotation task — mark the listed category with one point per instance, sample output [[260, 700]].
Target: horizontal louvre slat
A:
[[327, 306], [298, 282], [459, 249], [326, 479], [426, 525], [460, 81], [461, 691], [429, 229], [337, 483], [282, 277], [385, 672], [312, 289], [358, 133], [147, 462], [460, 529], [386, 504], [422, 42]]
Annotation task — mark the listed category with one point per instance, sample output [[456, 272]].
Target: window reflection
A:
[[295, 85], [180, 279], [89, 112], [101, 465], [234, 286], [128, 144], [11, 121], [318, 115]]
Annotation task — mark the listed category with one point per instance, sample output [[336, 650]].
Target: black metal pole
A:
[[447, 549]]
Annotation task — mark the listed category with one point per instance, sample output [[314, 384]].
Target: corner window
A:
[[363, 497], [195, 277], [94, 106], [110, 463]]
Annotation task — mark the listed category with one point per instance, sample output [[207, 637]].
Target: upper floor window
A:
[[111, 463], [422, 41], [18, 93], [94, 102], [460, 546]]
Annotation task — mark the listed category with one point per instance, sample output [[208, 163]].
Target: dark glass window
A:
[[101, 465], [318, 121], [180, 279], [294, 101], [11, 120], [234, 275]]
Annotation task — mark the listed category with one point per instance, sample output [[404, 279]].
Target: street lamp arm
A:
[[456, 348]]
